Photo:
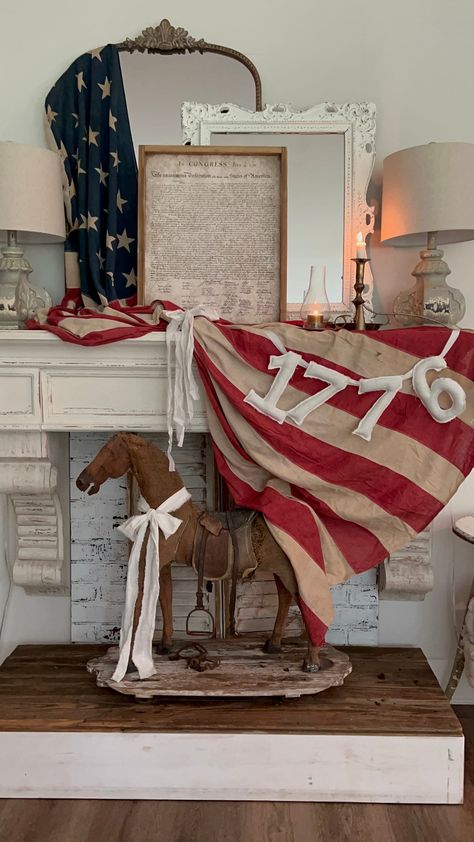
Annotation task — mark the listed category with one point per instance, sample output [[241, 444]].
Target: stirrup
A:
[[205, 634]]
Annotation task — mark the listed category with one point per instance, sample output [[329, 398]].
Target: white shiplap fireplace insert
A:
[[51, 389]]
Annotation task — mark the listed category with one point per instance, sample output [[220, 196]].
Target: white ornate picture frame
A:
[[355, 121]]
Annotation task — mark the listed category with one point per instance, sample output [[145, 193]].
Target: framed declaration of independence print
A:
[[213, 229]]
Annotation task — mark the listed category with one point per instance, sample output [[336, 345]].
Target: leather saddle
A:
[[223, 550], [222, 543]]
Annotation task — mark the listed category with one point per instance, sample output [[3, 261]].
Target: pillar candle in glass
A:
[[315, 310]]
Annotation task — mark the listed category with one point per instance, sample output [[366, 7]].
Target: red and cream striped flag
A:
[[336, 502]]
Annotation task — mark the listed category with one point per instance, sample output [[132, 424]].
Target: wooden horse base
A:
[[243, 670]]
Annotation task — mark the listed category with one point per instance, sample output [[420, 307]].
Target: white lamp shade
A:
[[31, 196], [428, 188]]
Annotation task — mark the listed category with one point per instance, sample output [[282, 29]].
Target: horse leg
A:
[[312, 663], [273, 644], [166, 603]]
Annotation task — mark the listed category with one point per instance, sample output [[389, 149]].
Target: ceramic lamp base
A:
[[10, 270], [19, 298], [29, 299], [431, 300]]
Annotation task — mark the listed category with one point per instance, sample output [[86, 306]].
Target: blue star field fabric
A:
[[87, 114]]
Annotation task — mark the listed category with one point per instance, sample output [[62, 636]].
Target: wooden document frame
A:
[[189, 199]]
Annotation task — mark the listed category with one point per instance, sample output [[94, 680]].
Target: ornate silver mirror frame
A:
[[354, 121]]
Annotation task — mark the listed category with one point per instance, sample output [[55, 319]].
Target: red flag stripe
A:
[[315, 627]]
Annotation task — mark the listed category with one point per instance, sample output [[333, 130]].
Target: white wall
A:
[[413, 58]]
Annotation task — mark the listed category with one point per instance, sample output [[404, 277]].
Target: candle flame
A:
[[360, 238]]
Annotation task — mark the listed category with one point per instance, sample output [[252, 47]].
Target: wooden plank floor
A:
[[390, 691], [181, 821]]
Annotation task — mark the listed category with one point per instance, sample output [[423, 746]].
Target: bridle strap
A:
[[199, 553], [235, 573], [201, 557]]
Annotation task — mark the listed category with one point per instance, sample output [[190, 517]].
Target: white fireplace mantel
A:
[[51, 385]]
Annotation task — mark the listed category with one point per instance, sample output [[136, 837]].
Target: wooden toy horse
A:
[[199, 539]]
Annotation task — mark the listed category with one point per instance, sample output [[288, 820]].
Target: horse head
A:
[[112, 461]]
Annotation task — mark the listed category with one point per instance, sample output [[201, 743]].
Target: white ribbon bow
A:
[[184, 391], [135, 529]]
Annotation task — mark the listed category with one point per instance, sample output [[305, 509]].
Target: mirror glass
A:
[[156, 85], [315, 205]]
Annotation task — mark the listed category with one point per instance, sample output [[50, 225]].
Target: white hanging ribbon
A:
[[452, 338], [135, 528], [184, 391]]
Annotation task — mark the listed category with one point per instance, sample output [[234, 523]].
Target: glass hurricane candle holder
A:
[[315, 310]]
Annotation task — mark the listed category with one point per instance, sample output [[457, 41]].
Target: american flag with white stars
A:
[[87, 113]]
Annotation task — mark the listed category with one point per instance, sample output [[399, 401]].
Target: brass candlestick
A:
[[358, 301]]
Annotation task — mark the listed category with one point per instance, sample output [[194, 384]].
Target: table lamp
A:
[[31, 211], [428, 198]]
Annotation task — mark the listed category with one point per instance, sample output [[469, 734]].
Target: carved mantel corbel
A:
[[408, 574], [35, 538]]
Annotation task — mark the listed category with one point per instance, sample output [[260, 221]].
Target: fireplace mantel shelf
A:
[[51, 385]]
